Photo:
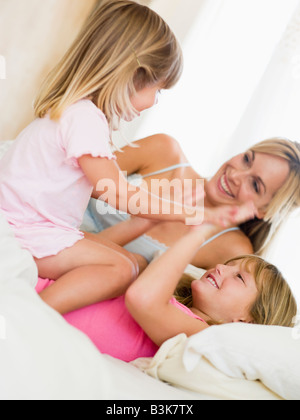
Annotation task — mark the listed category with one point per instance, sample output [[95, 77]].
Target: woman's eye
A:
[[247, 159], [256, 187]]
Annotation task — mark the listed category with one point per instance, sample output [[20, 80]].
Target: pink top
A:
[[112, 329], [43, 191]]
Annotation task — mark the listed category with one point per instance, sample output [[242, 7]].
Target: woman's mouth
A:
[[224, 186]]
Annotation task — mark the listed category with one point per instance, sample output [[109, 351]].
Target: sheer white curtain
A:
[[274, 111], [241, 84]]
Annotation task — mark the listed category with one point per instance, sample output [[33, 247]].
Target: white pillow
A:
[[264, 353], [204, 379]]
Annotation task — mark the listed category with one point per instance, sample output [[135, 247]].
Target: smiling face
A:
[[145, 98], [247, 177], [226, 294]]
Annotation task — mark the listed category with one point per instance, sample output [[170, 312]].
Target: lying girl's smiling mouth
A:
[[212, 281]]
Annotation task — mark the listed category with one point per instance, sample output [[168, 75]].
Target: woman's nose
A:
[[236, 177]]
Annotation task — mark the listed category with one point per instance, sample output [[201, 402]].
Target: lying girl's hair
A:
[[275, 304], [287, 199], [122, 48]]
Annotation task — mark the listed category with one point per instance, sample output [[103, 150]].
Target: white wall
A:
[[34, 34]]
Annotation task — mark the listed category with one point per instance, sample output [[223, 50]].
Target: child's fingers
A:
[[227, 215], [246, 212]]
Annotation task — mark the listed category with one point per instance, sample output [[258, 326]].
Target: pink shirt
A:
[[112, 329], [43, 191]]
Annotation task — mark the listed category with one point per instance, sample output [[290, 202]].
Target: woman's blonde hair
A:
[[275, 303], [122, 48], [287, 199]]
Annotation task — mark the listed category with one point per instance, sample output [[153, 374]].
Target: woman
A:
[[268, 174]]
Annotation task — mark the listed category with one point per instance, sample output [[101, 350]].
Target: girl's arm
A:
[[112, 187], [148, 298]]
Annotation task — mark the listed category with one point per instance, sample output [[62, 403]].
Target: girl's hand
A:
[[227, 216]]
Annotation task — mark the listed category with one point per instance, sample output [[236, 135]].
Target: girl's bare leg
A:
[[123, 233], [86, 273], [138, 260]]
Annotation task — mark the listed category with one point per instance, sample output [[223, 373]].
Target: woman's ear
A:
[[261, 213]]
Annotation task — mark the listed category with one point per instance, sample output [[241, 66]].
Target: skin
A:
[[243, 176], [95, 269], [148, 298], [250, 176], [230, 300], [145, 98]]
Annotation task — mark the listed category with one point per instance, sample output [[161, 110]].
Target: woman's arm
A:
[[150, 154], [127, 231]]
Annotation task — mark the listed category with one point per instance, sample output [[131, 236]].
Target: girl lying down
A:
[[158, 306]]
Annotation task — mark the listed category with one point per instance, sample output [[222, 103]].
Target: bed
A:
[[44, 358]]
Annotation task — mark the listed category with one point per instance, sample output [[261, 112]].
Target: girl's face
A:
[[226, 294], [145, 98], [247, 177]]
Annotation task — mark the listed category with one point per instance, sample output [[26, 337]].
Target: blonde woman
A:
[[267, 174], [124, 55], [156, 308]]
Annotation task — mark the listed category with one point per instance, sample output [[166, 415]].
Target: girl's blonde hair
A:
[[275, 303], [287, 199], [122, 48]]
